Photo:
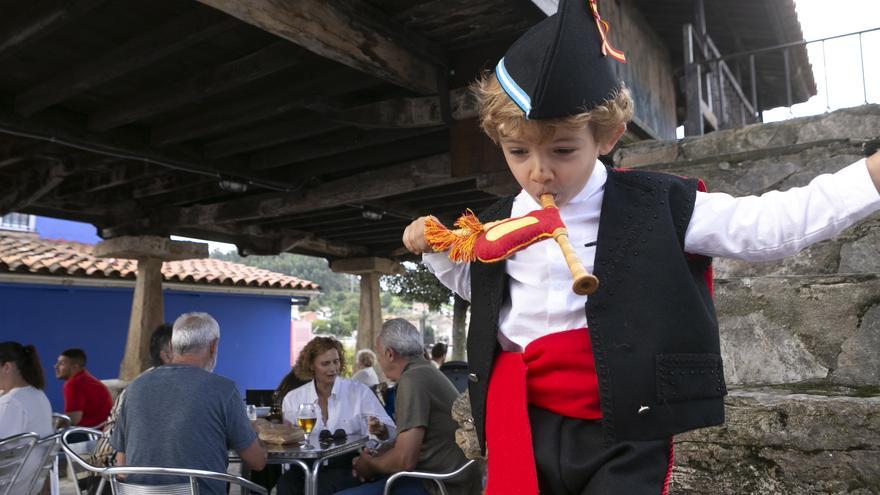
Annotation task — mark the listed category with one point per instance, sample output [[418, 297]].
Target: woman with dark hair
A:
[[23, 407], [342, 404]]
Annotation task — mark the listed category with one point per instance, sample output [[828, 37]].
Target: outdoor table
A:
[[295, 454]]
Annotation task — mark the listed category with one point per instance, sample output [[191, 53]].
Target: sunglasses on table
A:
[[338, 435]]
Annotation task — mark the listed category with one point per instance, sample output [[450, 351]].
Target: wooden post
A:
[[693, 124], [370, 314], [147, 312], [147, 307]]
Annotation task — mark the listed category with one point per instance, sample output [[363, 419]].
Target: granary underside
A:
[[311, 127]]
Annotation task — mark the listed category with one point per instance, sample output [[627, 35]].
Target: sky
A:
[[840, 63]]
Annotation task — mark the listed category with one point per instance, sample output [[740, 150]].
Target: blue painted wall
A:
[[254, 330], [66, 230]]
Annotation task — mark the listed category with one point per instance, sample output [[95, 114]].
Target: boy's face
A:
[[561, 165]]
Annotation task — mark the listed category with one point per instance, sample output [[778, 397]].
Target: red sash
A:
[[555, 372]]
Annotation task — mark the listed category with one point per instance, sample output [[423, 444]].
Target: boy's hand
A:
[[874, 169], [414, 237]]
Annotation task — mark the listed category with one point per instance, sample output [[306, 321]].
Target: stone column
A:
[[147, 309], [370, 314]]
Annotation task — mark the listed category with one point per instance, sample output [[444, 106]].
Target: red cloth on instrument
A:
[[547, 221], [555, 372]]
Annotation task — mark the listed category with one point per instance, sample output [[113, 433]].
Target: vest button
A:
[[472, 377]]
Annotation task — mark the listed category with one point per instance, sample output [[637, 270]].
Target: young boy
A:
[[582, 395]]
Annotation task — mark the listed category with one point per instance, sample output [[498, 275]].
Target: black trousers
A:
[[572, 460]]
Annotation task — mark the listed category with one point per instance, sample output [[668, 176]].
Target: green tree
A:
[[417, 284]]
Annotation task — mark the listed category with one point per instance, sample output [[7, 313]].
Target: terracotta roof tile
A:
[[28, 254]]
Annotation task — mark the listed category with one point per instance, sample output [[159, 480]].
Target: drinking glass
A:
[[306, 417]]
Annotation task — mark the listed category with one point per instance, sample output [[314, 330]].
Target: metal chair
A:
[[191, 487], [74, 451], [14, 452], [41, 459], [60, 422], [437, 478]]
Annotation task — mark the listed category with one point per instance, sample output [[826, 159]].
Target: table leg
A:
[[305, 467], [313, 477]]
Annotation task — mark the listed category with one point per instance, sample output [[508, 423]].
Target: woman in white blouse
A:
[[24, 407], [343, 405]]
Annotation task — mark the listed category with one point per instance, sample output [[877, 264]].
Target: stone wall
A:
[[801, 336]]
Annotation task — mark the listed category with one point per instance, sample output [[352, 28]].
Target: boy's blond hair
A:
[[500, 117]]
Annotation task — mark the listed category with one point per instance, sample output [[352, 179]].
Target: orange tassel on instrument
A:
[[460, 242]]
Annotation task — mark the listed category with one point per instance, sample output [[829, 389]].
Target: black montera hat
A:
[[562, 65]]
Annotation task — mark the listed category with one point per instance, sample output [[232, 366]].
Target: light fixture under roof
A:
[[233, 186], [371, 215]]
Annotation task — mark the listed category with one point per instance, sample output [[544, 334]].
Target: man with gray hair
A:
[[425, 428], [182, 415]]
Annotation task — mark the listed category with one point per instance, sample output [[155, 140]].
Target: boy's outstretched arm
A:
[[455, 276], [873, 162]]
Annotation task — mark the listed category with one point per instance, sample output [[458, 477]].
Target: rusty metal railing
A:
[[714, 86]]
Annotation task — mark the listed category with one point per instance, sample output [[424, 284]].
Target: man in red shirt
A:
[[86, 400]]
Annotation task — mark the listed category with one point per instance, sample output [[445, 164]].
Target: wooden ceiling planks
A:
[[309, 135]]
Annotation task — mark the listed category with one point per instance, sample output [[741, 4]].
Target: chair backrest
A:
[[437, 478], [189, 488], [74, 450], [14, 452], [40, 462], [61, 421], [457, 372]]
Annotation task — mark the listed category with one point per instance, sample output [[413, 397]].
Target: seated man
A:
[[426, 430], [86, 400], [182, 415]]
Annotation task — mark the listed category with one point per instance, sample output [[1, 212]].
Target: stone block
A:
[[777, 330], [646, 153], [761, 140], [855, 250], [781, 442], [161, 248]]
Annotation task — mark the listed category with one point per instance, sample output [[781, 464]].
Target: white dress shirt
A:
[[753, 228], [347, 402]]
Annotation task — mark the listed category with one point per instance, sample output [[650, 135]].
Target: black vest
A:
[[652, 320]]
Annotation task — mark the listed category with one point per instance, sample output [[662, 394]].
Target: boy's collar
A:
[[594, 185]]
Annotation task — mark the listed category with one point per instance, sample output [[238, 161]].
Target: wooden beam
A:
[[422, 111], [269, 60], [178, 33], [352, 33], [33, 186], [418, 174], [272, 134], [66, 129], [259, 107], [311, 244], [38, 18], [374, 156], [338, 142], [258, 241], [109, 177]]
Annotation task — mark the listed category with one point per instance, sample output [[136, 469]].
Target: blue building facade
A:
[[254, 329]]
